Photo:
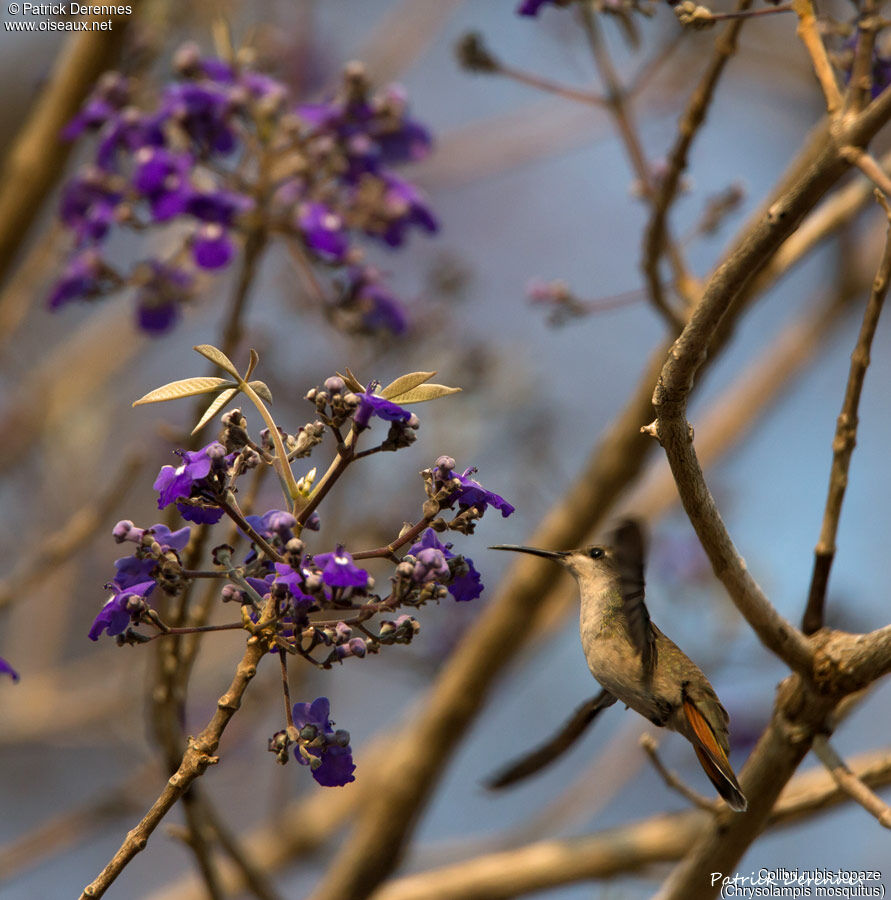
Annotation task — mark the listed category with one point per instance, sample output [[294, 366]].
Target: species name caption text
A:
[[767, 883], [54, 16]]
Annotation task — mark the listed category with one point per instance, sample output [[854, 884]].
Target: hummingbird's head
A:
[[588, 562]]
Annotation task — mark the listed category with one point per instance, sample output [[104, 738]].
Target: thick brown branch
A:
[[785, 743]]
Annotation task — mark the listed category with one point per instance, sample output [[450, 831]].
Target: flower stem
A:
[[345, 455]]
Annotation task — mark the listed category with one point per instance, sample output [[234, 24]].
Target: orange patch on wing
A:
[[704, 732]]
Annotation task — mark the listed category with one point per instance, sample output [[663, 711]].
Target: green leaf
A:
[[261, 390], [352, 382], [424, 392], [255, 358], [214, 408], [405, 383], [208, 351], [187, 387]]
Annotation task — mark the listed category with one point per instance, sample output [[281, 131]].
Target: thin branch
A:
[[548, 86], [850, 783], [198, 838], [809, 33], [860, 85], [869, 167], [230, 506], [749, 14], [691, 121], [198, 756], [252, 254], [650, 747], [255, 879], [405, 538], [344, 457], [843, 446], [618, 104]]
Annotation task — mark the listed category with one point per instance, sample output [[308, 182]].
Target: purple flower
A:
[[160, 534], [263, 87], [276, 522], [211, 247], [472, 493], [171, 540], [203, 111], [337, 766], [531, 7], [189, 63], [7, 669], [217, 70], [163, 178], [160, 295], [157, 318], [193, 479], [338, 569], [88, 206], [323, 231], [130, 130], [400, 138], [86, 275], [369, 132], [115, 616], [404, 206], [881, 74], [380, 309], [261, 585], [220, 206], [370, 404], [463, 588], [132, 580], [131, 571], [431, 565], [110, 95], [294, 582]]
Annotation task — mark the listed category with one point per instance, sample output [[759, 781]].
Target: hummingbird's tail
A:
[[713, 758]]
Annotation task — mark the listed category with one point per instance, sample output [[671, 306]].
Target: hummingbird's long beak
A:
[[556, 555]]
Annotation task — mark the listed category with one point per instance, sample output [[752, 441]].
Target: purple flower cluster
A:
[[464, 583], [331, 748], [134, 581], [225, 150], [469, 493], [322, 608], [194, 484]]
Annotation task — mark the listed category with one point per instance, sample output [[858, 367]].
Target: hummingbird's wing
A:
[[629, 552], [563, 740]]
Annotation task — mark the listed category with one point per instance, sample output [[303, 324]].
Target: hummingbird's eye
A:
[[596, 553]]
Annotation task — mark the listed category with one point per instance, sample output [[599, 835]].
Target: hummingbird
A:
[[634, 662]]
